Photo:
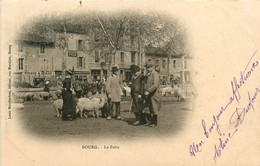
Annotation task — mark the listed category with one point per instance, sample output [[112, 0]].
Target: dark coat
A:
[[46, 88], [86, 88], [152, 86], [94, 88], [69, 105], [137, 88]]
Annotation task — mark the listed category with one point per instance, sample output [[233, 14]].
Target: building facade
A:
[[170, 67], [91, 60], [41, 60]]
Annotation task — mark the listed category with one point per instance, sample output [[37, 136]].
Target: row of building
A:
[[38, 60]]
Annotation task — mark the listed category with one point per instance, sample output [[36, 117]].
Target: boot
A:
[[109, 111], [142, 119], [136, 116], [118, 111], [154, 121], [148, 119], [137, 122]]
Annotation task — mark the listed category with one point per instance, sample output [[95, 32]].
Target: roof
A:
[[149, 50], [153, 50], [35, 39], [187, 57]]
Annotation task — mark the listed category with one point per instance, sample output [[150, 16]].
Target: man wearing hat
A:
[[137, 87], [113, 90], [152, 92], [46, 87], [70, 75]]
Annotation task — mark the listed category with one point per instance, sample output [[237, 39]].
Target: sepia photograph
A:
[[129, 83], [111, 74]]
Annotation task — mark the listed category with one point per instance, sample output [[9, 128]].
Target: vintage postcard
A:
[[130, 83]]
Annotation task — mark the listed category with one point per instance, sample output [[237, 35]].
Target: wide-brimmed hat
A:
[[115, 68], [149, 63], [134, 68], [70, 72]]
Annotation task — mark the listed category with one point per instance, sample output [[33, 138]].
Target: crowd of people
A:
[[145, 94], [87, 89]]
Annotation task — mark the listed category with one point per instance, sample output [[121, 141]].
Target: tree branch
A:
[[106, 33]]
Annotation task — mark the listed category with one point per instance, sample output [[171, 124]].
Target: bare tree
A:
[[117, 31]]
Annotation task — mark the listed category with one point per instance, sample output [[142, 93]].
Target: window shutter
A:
[[17, 63], [77, 62], [25, 63], [84, 65], [109, 57]]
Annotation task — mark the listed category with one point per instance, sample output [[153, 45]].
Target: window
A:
[[20, 48], [132, 40], [105, 73], [80, 62], [164, 64], [157, 62], [174, 63], [25, 63], [107, 58], [95, 75], [185, 64], [42, 49], [187, 79], [132, 56], [46, 65], [187, 76], [80, 45], [20, 63], [95, 72], [96, 56], [122, 56], [97, 36]]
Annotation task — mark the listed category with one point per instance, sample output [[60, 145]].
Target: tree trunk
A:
[[168, 68], [139, 50], [111, 59], [65, 52], [109, 64]]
